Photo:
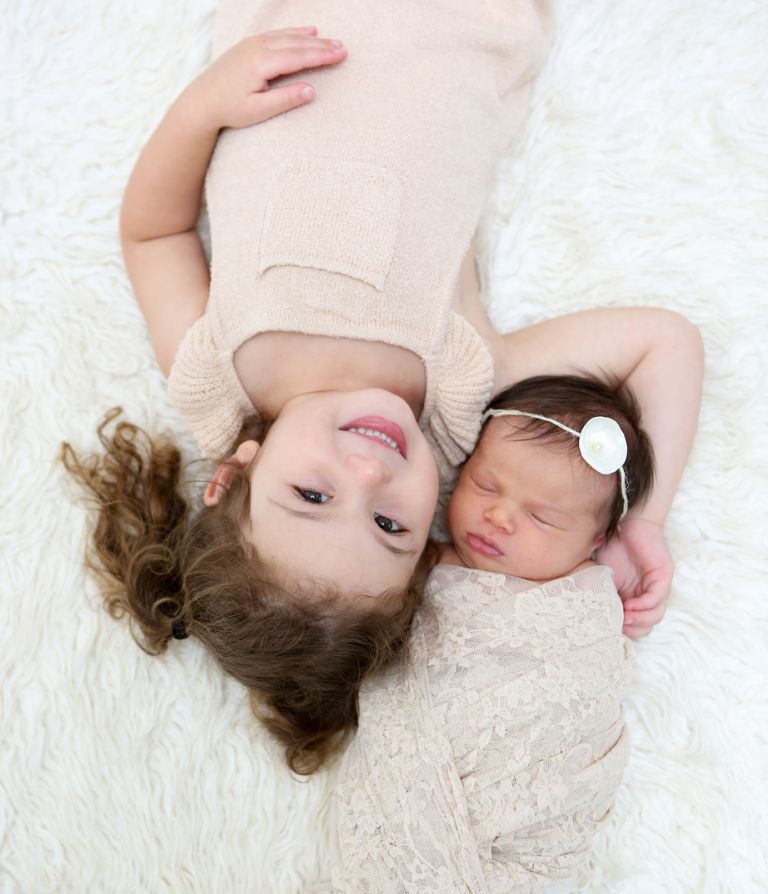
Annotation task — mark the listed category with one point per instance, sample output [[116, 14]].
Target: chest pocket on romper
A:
[[340, 216]]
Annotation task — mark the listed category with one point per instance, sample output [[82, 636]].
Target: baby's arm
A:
[[660, 356], [162, 250]]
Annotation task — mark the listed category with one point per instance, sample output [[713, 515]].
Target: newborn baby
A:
[[559, 462]]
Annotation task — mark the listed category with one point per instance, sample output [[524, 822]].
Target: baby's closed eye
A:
[[484, 485], [545, 521]]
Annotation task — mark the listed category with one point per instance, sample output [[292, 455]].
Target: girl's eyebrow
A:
[[396, 549], [302, 513]]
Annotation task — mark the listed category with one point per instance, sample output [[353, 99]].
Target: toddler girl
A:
[[319, 361]]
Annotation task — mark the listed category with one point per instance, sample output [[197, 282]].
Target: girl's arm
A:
[[163, 252], [660, 355]]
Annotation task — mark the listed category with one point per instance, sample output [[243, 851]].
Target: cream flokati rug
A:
[[642, 178]]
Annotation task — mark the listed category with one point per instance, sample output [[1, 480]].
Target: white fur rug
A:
[[642, 178]]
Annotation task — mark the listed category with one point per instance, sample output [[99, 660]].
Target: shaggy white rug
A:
[[642, 178]]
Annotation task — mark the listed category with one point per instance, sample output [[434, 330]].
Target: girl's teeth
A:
[[376, 434]]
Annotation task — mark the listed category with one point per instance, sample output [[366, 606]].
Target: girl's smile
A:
[[380, 429]]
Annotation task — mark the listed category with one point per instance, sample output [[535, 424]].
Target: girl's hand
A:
[[234, 91], [642, 570]]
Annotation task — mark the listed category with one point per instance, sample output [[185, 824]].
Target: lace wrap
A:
[[487, 760]]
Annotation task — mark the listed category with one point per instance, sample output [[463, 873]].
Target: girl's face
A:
[[526, 508], [343, 491]]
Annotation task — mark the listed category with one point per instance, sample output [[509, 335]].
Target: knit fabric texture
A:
[[349, 217]]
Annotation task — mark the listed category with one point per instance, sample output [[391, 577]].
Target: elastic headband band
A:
[[601, 443]]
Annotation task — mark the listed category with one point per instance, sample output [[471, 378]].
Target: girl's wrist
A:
[[645, 519], [196, 111]]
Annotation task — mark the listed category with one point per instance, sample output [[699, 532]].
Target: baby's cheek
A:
[[453, 528], [458, 509]]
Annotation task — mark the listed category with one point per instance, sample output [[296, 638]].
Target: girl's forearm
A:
[[164, 193], [667, 383], [658, 353]]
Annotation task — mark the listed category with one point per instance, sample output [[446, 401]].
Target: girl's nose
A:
[[500, 518], [369, 470]]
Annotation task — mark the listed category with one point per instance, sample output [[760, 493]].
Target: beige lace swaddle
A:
[[488, 758]]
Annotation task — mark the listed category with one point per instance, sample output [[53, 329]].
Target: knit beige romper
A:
[[350, 216]]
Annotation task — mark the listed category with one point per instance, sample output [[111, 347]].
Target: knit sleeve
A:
[[203, 384], [462, 388]]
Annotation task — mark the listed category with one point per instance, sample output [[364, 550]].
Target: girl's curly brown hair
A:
[[302, 655]]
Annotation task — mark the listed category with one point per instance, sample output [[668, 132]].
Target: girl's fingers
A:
[[639, 623], [282, 99], [649, 599], [642, 619], [655, 594], [300, 29], [295, 41], [283, 62], [636, 632]]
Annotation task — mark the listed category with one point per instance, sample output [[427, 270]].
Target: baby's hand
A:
[[642, 570], [234, 90]]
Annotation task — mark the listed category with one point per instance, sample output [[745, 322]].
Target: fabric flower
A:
[[603, 445]]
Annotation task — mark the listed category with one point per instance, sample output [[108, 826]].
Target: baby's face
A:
[[526, 508]]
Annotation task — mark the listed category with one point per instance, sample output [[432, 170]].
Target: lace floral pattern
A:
[[486, 760]]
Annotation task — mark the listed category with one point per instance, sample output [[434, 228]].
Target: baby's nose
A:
[[500, 518]]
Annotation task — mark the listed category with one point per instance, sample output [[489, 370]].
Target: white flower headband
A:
[[601, 443]]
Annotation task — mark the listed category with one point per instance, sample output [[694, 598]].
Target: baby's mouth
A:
[[483, 546]]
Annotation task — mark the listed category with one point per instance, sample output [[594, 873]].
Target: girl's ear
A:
[[222, 477], [598, 542]]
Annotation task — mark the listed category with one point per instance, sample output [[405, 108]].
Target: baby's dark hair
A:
[[302, 651], [573, 400]]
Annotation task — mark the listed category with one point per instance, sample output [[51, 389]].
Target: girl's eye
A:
[[388, 524], [541, 521], [484, 485], [312, 496]]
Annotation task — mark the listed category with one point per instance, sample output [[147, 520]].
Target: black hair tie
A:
[[179, 629]]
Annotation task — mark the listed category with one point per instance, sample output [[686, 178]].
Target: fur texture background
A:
[[642, 177]]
